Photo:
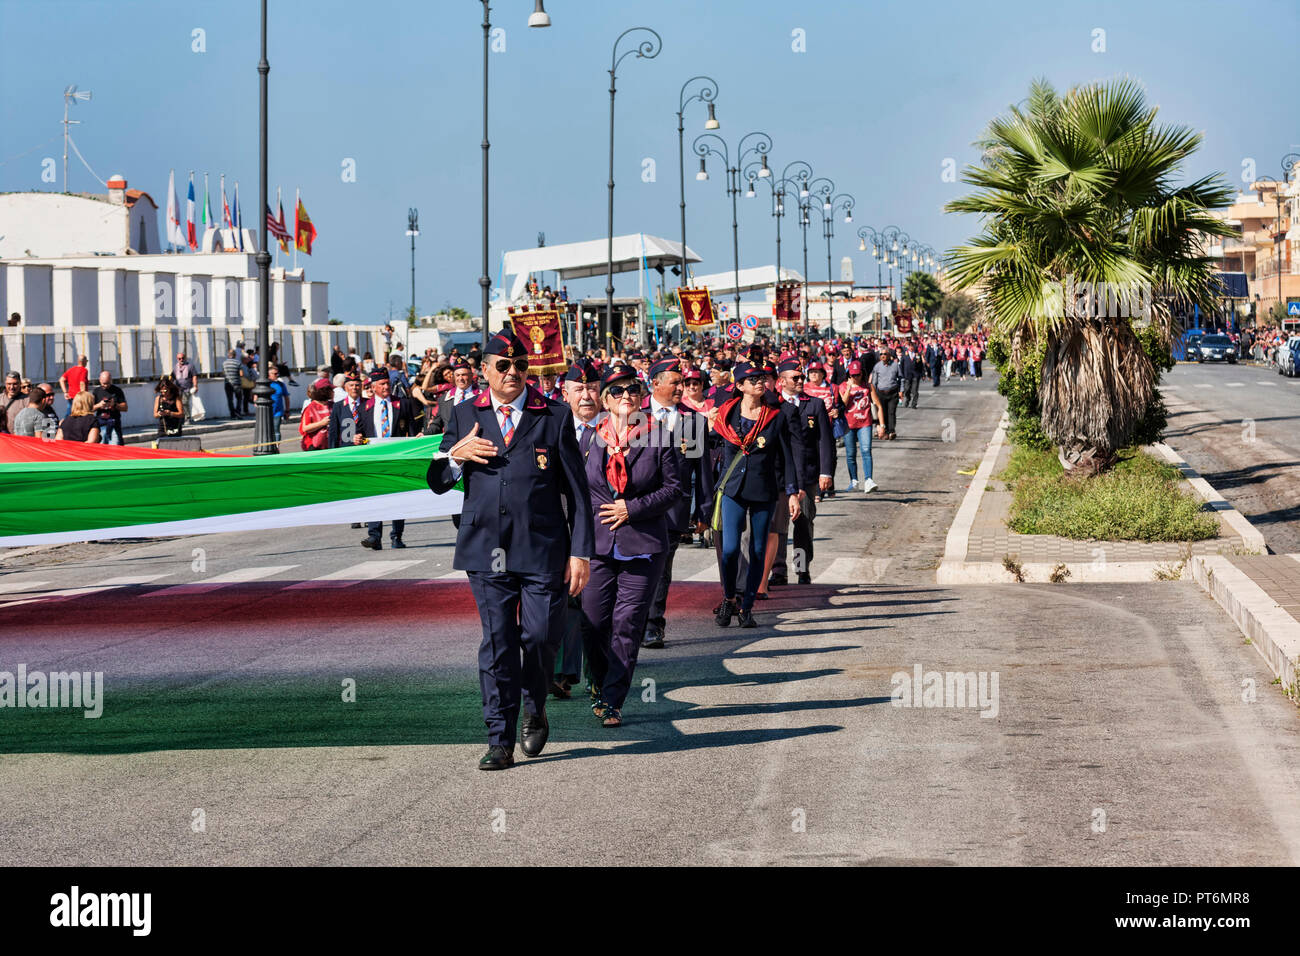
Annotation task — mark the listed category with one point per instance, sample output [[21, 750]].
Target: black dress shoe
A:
[[746, 618], [654, 637], [374, 544], [497, 758], [536, 730], [357, 524], [805, 577], [776, 581], [725, 610], [396, 543]]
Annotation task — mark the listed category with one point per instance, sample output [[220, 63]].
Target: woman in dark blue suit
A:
[[633, 481], [757, 467]]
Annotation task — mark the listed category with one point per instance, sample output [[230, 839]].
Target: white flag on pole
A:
[[175, 232]]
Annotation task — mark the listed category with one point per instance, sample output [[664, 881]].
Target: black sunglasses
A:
[[618, 391], [520, 365]]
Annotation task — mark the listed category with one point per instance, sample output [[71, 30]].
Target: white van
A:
[[1286, 357]]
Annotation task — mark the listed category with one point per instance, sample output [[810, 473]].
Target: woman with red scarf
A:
[[757, 465], [633, 480]]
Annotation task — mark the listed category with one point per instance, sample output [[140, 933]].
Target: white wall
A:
[[54, 224], [31, 293]]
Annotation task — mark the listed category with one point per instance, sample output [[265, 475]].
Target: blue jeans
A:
[[110, 433], [852, 439], [734, 513]]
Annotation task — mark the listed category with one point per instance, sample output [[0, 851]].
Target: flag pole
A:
[[279, 204], [297, 202]]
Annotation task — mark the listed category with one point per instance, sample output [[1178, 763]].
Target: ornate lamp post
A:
[[263, 436], [647, 49], [706, 94], [796, 182], [762, 146]]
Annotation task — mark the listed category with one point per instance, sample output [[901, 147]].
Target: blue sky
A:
[[884, 93]]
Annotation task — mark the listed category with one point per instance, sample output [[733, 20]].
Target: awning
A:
[[1233, 285], [579, 260], [759, 277]]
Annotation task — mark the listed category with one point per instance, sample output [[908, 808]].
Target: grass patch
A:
[[1137, 500]]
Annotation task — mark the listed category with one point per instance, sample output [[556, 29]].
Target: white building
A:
[[87, 261]]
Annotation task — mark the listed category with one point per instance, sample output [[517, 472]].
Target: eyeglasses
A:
[[618, 391], [796, 378], [519, 364]]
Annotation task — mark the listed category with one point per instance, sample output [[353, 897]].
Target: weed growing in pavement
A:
[[1013, 566], [1059, 574], [1137, 500]]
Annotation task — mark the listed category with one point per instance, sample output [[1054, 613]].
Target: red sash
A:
[[724, 429]]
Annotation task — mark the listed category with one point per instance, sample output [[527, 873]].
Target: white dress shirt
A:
[[376, 419], [666, 414]]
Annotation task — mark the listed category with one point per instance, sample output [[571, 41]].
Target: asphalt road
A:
[[1239, 426], [1121, 734]]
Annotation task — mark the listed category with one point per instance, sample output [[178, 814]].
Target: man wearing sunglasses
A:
[[523, 474]]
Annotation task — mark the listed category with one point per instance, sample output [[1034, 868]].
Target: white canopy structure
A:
[[759, 277], [579, 260]]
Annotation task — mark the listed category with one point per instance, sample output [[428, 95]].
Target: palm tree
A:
[[1081, 189]]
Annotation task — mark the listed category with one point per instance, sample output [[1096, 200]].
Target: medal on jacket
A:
[[542, 460], [761, 442], [812, 422]]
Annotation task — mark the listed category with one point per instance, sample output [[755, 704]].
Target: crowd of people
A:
[[579, 492]]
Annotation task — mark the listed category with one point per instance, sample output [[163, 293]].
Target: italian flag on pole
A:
[[54, 492]]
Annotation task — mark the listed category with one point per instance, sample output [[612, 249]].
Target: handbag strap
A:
[[715, 520]]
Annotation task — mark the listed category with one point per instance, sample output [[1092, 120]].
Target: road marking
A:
[[242, 576], [1267, 384], [708, 574], [1204, 386], [107, 585], [9, 587], [1234, 384], [366, 571], [453, 576]]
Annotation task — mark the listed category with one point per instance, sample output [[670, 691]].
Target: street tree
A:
[[1080, 192], [921, 291]]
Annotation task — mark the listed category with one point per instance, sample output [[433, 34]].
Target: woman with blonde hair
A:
[[81, 424]]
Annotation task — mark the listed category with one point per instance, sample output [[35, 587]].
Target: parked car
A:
[[1216, 348], [1192, 343], [1288, 357]]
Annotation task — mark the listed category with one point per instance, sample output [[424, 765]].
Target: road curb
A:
[[1271, 631], [955, 569]]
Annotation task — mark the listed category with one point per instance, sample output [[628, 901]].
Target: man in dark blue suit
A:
[[813, 446], [345, 416], [522, 474], [384, 416], [689, 431]]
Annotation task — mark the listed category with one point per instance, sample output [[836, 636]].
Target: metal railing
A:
[[145, 354]]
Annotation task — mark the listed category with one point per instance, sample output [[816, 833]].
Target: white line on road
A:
[[1202, 385], [242, 576], [1267, 384], [366, 571], [107, 585], [708, 574], [1234, 384], [453, 576]]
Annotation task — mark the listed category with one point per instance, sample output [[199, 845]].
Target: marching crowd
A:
[[580, 487]]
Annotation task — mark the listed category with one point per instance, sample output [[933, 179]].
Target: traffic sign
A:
[[751, 321], [735, 330], [1293, 308]]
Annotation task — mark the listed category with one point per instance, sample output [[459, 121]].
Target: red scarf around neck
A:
[[720, 425], [617, 446]]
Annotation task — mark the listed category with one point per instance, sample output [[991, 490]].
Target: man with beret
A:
[[522, 474], [345, 416], [688, 430], [582, 393], [814, 451], [384, 416]]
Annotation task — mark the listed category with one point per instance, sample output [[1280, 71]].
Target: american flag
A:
[[276, 227]]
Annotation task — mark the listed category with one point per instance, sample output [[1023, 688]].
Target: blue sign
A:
[[751, 321], [1293, 308], [735, 331]]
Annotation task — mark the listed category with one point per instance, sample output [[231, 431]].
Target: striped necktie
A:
[[383, 419], [508, 428]]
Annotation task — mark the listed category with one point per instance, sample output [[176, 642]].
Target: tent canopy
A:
[[578, 260], [759, 277]]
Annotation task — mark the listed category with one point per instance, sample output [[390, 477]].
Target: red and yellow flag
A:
[[303, 231]]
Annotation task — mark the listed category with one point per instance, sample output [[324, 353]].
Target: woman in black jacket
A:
[[756, 467]]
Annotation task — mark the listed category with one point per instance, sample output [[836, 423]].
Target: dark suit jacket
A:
[[690, 444], [811, 440], [911, 367], [768, 471], [403, 419], [515, 505], [337, 413], [652, 489]]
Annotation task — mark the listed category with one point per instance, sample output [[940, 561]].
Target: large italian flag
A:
[[53, 492]]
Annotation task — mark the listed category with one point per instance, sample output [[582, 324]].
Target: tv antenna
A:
[[70, 97]]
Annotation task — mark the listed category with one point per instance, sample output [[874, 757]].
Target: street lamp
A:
[[646, 49], [877, 248], [828, 208], [817, 189], [263, 437], [797, 181], [412, 230], [538, 18], [762, 146], [706, 94]]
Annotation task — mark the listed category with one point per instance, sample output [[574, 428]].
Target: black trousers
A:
[[911, 389], [889, 406], [376, 529], [234, 395], [803, 533], [659, 604], [523, 620]]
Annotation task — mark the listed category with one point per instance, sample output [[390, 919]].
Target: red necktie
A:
[[508, 429]]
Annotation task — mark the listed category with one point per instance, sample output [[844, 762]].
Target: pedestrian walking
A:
[[232, 373], [314, 424], [110, 403], [386, 417], [523, 474], [886, 381], [855, 394], [633, 481]]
